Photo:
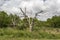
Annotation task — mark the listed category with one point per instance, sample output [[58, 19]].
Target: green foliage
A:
[[9, 20], [15, 20], [14, 33], [54, 22], [4, 19]]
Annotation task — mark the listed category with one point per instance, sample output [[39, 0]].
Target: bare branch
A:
[[24, 13], [36, 14]]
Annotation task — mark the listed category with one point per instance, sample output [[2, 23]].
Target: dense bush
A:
[[14, 33], [9, 20]]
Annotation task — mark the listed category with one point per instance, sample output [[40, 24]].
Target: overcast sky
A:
[[50, 7]]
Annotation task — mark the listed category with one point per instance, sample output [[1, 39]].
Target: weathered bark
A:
[[13, 22], [28, 19], [30, 25]]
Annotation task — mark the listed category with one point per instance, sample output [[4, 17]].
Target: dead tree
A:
[[31, 23]]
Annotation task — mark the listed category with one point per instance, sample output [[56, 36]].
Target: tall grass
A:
[[14, 33]]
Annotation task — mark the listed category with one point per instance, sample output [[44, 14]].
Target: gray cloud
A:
[[52, 7]]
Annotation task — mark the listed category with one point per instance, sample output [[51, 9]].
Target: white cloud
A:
[[12, 6]]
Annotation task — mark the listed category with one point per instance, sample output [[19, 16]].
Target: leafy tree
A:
[[4, 19], [54, 22]]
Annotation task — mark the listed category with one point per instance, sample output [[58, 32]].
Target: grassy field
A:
[[38, 34]]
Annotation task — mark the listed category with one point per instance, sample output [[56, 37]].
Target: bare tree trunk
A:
[[13, 22], [30, 25]]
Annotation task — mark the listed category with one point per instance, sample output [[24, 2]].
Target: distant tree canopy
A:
[[54, 21]]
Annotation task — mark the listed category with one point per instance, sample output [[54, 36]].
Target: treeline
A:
[[15, 21], [54, 21]]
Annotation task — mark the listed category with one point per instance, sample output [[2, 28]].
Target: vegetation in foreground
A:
[[42, 33]]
